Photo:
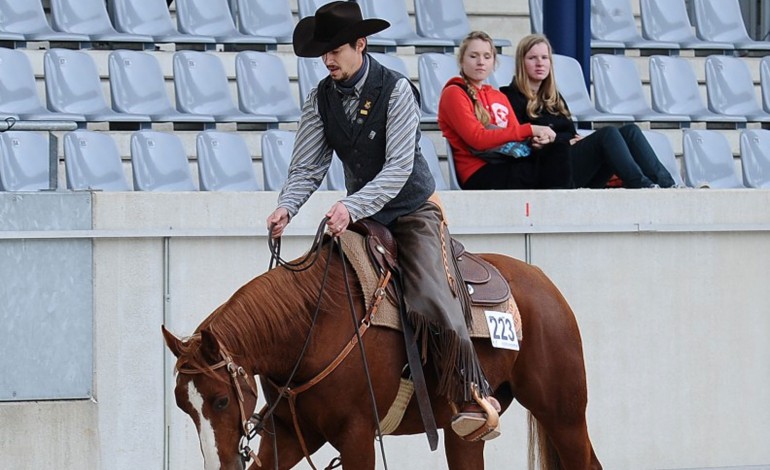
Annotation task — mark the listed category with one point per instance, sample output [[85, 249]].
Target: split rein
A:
[[255, 425]]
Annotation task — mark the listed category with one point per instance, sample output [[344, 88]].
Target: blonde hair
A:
[[478, 108], [547, 97]]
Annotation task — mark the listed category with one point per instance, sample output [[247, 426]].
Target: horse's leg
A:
[[356, 446], [460, 454], [289, 449]]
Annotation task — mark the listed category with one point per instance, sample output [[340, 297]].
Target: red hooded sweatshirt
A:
[[463, 130]]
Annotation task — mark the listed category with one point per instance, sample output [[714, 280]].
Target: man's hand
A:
[[339, 218], [277, 221]]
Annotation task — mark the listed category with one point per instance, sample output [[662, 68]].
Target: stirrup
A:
[[482, 425]]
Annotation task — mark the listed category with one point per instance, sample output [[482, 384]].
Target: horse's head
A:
[[218, 394]]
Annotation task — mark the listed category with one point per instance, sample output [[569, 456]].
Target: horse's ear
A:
[[209, 347], [173, 343]]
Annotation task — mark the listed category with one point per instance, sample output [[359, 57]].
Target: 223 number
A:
[[502, 329]]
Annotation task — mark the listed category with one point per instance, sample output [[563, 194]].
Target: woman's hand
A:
[[575, 139], [542, 135]]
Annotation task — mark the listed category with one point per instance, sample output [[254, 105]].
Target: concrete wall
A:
[[669, 288]]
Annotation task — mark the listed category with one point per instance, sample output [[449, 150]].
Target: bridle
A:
[[249, 423]]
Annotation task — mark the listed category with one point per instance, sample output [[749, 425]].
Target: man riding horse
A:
[[370, 115]]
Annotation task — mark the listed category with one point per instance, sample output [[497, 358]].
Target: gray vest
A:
[[361, 144]]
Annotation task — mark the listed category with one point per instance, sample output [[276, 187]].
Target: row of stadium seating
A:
[[665, 26], [224, 162]]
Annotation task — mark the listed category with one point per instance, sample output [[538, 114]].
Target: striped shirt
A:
[[312, 154]]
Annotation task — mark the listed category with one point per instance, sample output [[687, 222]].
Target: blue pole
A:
[[567, 25]]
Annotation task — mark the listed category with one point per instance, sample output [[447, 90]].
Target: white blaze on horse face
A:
[[205, 431]]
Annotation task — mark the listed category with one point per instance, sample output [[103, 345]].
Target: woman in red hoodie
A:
[[491, 149]]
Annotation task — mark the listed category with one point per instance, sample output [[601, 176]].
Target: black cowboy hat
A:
[[333, 25]]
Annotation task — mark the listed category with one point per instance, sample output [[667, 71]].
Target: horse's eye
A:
[[221, 403]]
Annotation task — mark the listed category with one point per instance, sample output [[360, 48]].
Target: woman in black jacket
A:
[[608, 151]]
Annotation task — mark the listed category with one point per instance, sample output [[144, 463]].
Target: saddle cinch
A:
[[486, 286]]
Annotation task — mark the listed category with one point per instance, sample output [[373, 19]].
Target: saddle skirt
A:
[[488, 289]]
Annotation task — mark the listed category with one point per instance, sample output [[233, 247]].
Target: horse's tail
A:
[[542, 453]]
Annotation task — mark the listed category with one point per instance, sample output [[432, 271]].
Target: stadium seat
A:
[[267, 18], [18, 90], [137, 86], [26, 17], [453, 182], [667, 20], [613, 20], [277, 147], [434, 70], [708, 160], [764, 80], [400, 30], [445, 19], [755, 158], [159, 162], [24, 162], [309, 7], [224, 162], [574, 92], [213, 18], [665, 152], [429, 153], [201, 87], [263, 86], [536, 16], [722, 21], [152, 18], [72, 85], [92, 161], [310, 71], [335, 177], [674, 90], [503, 73], [618, 90], [391, 61], [730, 88], [90, 17]]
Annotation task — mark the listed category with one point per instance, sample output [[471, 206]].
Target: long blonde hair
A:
[[547, 97], [478, 108]]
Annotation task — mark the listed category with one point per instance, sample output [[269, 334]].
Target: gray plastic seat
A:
[[618, 90], [445, 19], [755, 158], [429, 153], [391, 61], [159, 162], [434, 70], [708, 160], [730, 88], [224, 162], [23, 161], [764, 80], [277, 147], [400, 30], [309, 7], [667, 20], [90, 17], [674, 90], [574, 92], [18, 90], [503, 73], [201, 87], [213, 18], [613, 20], [263, 86], [665, 152], [92, 161], [267, 18], [152, 18], [335, 177], [26, 17], [453, 182], [72, 85], [137, 86], [536, 16], [722, 21], [310, 71]]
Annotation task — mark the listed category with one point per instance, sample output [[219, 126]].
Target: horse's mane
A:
[[272, 308]]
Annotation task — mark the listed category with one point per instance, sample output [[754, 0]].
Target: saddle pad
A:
[[387, 314]]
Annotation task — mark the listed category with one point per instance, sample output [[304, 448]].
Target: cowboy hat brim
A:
[[306, 44]]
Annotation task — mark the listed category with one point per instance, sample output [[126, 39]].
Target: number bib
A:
[[501, 330]]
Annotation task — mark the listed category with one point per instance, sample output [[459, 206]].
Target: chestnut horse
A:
[[269, 328]]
